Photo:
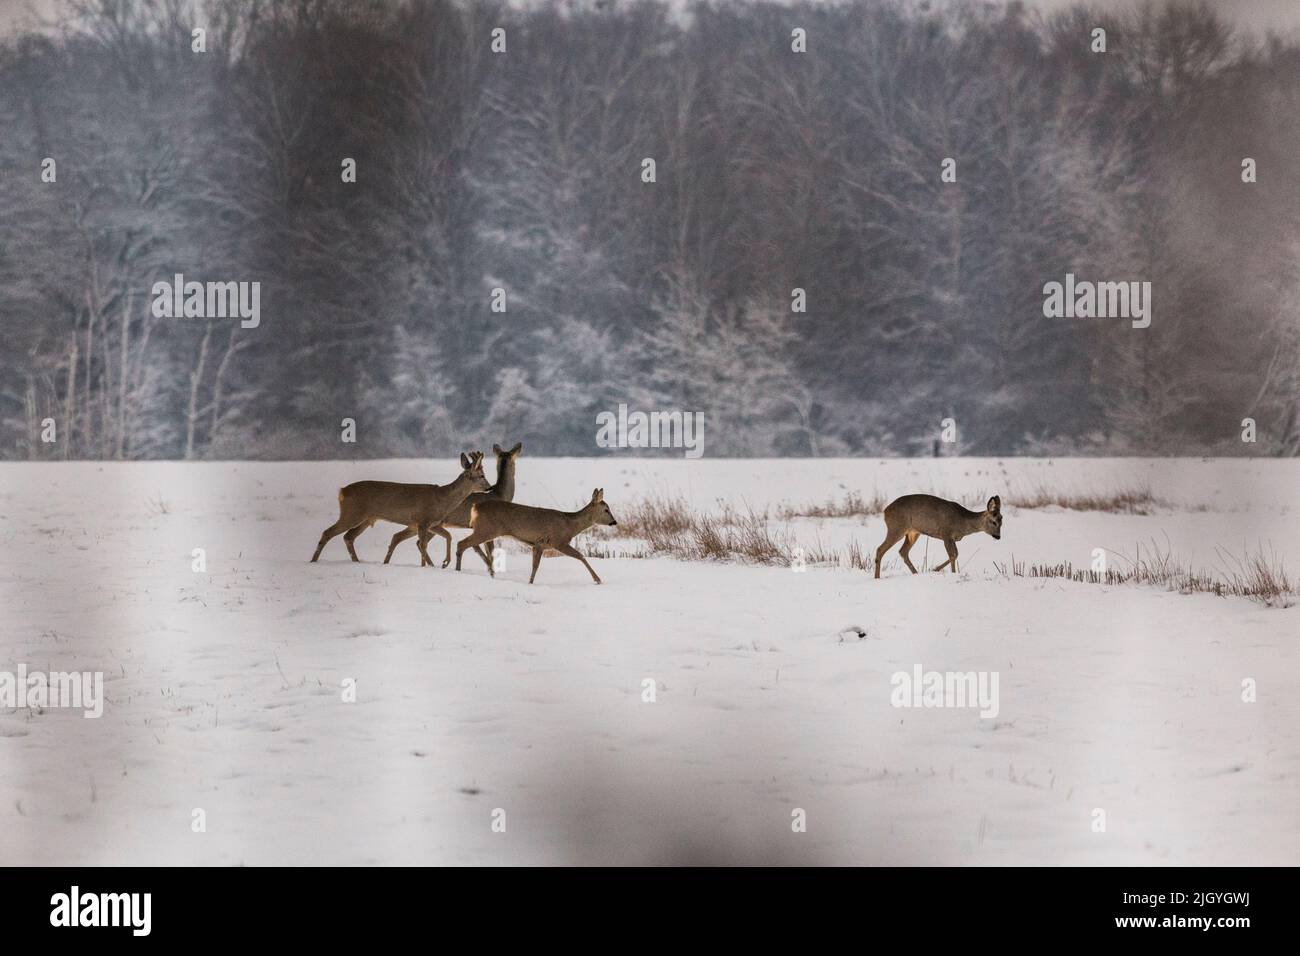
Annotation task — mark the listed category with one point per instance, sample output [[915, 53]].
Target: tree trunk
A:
[[196, 376]]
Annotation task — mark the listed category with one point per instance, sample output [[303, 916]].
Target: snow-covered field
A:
[[475, 695]]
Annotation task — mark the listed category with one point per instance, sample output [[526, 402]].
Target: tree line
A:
[[523, 171]]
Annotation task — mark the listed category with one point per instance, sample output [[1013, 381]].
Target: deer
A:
[[539, 528], [362, 503], [914, 515], [503, 490]]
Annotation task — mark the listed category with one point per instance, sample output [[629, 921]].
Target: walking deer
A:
[[362, 503], [503, 490], [914, 515], [539, 528]]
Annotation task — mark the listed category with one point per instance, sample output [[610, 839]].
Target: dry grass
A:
[[852, 505], [600, 548], [1257, 576], [1131, 501], [851, 558], [1262, 578], [669, 527], [658, 521], [1135, 501]]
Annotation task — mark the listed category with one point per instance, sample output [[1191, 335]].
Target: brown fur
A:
[[539, 528], [911, 516], [362, 503], [458, 517]]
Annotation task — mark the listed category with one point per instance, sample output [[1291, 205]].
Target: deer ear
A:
[[496, 450], [519, 446], [595, 494], [464, 460], [995, 504]]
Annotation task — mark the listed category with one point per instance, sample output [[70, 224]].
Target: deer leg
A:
[[352, 535], [910, 537], [537, 559], [951, 547], [332, 531], [573, 552], [398, 538], [473, 541], [486, 557], [442, 532], [892, 538], [425, 533]]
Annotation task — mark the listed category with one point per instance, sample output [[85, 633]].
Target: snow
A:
[[224, 687]]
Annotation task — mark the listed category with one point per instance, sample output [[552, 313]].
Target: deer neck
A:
[[504, 489], [972, 525], [579, 521], [458, 489]]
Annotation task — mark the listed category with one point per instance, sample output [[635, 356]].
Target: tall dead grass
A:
[[1132, 501], [668, 526], [1258, 576], [852, 505], [1138, 500]]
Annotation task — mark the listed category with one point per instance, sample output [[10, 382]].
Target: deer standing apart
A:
[[362, 503], [539, 528], [914, 515], [503, 490]]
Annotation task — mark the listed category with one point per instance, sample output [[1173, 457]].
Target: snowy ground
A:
[[223, 687]]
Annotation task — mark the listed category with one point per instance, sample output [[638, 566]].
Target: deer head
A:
[[603, 514], [472, 470], [991, 520]]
